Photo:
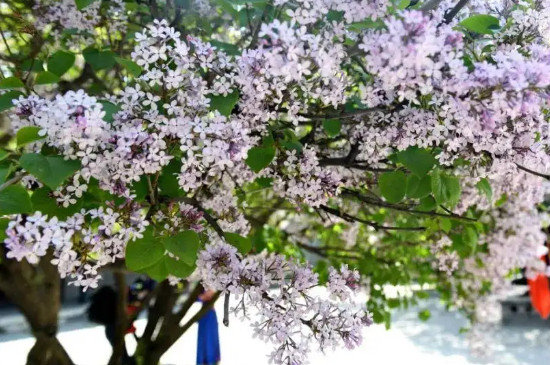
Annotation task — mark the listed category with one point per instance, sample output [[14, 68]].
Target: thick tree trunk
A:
[[35, 290], [48, 351], [119, 347]]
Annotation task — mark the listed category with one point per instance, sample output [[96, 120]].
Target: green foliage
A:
[[481, 23], [51, 170], [332, 127], [3, 226], [6, 99], [184, 245], [418, 161], [28, 135], [403, 4], [60, 62], [224, 104], [418, 188], [243, 244], [109, 109], [168, 182], [424, 315], [129, 65], [260, 157], [99, 60], [446, 189], [46, 77], [42, 200], [14, 199], [393, 186], [144, 253], [484, 187], [11, 83], [81, 4], [147, 255]]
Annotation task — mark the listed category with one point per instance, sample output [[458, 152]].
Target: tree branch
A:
[[547, 177], [454, 11], [376, 226], [401, 208]]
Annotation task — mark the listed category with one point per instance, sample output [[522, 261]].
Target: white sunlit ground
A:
[[410, 341]]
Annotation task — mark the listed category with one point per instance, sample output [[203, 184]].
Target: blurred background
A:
[[518, 336]]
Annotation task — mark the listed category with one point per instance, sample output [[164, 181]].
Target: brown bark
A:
[[121, 319], [35, 290]]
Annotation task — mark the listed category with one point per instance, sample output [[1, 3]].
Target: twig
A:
[[350, 218], [402, 208], [454, 11], [346, 115], [209, 219], [256, 32], [13, 180], [6, 42], [547, 177], [226, 310]]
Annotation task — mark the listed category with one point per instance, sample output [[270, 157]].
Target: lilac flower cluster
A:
[[302, 180], [63, 15], [81, 244], [289, 316]]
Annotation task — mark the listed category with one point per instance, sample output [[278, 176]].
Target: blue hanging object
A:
[[208, 343]]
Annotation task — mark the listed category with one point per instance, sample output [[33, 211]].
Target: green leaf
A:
[[34, 65], [168, 181], [481, 23], [445, 224], [144, 253], [228, 48], [424, 315], [159, 270], [140, 188], [14, 200], [393, 186], [243, 244], [3, 226], [3, 154], [46, 77], [179, 268], [60, 62], [293, 145], [224, 104], [469, 236], [452, 185], [332, 127], [51, 170], [43, 201], [81, 4], [99, 60], [446, 189], [260, 157], [427, 204], [184, 245], [110, 109], [403, 4], [419, 161], [27, 135], [129, 65], [418, 188], [11, 83], [4, 173], [484, 187], [6, 100]]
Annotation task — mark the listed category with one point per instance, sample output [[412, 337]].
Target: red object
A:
[[539, 291], [131, 310]]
